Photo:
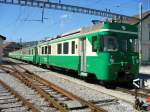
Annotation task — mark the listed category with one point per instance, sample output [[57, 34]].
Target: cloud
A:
[[65, 18]]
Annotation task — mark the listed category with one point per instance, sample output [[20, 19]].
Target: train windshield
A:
[[111, 43], [126, 44]]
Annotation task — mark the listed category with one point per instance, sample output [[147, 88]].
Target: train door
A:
[[49, 54], [83, 57], [35, 55]]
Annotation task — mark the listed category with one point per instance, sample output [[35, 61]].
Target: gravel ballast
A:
[[85, 90], [26, 92]]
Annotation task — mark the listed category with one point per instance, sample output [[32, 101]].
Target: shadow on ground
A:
[[145, 76], [96, 82]]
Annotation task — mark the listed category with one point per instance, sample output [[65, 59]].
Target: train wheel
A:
[[109, 85], [91, 78], [51, 68]]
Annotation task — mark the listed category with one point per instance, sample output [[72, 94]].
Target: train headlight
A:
[[111, 60], [137, 61]]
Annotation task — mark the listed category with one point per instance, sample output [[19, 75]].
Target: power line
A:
[[41, 20], [64, 7]]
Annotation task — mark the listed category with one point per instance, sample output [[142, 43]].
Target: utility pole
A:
[[148, 4], [140, 33], [43, 15], [20, 43]]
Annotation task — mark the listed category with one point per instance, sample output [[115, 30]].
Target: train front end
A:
[[118, 52]]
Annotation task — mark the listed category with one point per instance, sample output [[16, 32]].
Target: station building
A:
[[146, 37], [10, 47], [145, 56], [2, 38]]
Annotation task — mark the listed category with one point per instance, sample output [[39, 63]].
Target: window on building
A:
[[59, 48], [94, 39], [65, 48], [42, 50], [73, 47], [49, 49], [45, 49]]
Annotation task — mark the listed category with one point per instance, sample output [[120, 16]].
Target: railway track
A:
[[144, 93], [57, 97], [11, 101]]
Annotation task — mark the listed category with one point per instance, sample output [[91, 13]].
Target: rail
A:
[[34, 81], [140, 92], [19, 97]]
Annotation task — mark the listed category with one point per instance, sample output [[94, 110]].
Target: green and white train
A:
[[104, 51]]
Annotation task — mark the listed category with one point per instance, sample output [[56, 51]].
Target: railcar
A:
[[104, 51], [15, 54], [26, 54]]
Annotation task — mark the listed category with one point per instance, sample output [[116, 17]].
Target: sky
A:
[[16, 24]]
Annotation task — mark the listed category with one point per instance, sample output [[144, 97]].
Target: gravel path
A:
[[86, 90], [26, 92]]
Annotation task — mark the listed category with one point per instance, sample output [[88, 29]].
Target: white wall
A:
[[146, 40]]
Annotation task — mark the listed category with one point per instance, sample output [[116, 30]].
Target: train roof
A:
[[125, 28], [78, 32], [102, 26]]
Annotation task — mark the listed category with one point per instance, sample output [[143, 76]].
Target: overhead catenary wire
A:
[[65, 7]]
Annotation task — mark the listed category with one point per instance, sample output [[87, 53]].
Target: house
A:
[[9, 47], [145, 56], [145, 37], [2, 38]]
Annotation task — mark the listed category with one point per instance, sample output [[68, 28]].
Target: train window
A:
[[45, 49], [32, 51], [94, 39], [149, 34], [149, 55], [59, 48], [42, 50], [65, 48], [73, 47], [49, 49], [23, 52], [111, 44], [131, 44], [29, 52]]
